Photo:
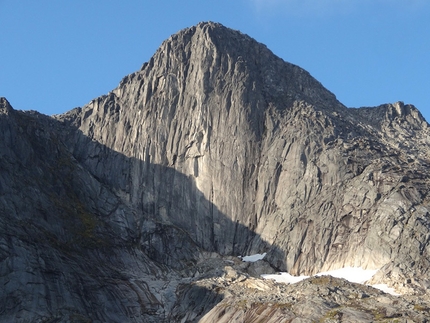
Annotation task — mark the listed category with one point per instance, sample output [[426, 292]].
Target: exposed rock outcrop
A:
[[215, 147], [66, 247], [318, 299]]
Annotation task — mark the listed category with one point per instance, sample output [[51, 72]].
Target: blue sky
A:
[[59, 54]]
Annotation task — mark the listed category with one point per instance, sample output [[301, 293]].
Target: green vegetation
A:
[[283, 305], [334, 314], [242, 304], [321, 280], [421, 308]]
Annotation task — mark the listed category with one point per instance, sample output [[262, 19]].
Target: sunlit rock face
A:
[[246, 138], [214, 147]]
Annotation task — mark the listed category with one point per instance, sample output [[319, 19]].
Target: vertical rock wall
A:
[[247, 152]]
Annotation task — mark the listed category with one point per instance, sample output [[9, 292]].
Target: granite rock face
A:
[[265, 146], [214, 148], [67, 243]]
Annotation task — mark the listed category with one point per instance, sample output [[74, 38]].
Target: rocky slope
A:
[[214, 148], [65, 247]]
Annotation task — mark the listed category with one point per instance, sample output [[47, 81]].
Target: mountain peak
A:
[[5, 105], [211, 30], [213, 56], [210, 35]]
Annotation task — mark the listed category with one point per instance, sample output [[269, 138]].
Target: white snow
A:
[[285, 278], [386, 289], [353, 274], [253, 258]]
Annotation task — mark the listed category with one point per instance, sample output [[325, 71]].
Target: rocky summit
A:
[[135, 207]]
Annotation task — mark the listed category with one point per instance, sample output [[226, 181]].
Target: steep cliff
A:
[[266, 147], [214, 148], [67, 250]]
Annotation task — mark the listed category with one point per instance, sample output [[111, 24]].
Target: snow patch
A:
[[386, 289], [352, 274], [253, 258], [284, 278]]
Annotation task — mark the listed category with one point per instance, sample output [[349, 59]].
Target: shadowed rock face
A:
[[68, 250], [215, 145]]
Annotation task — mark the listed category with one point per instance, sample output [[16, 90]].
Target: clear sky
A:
[[59, 54]]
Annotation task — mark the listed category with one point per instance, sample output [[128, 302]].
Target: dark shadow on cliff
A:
[[174, 221], [160, 197], [93, 222]]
